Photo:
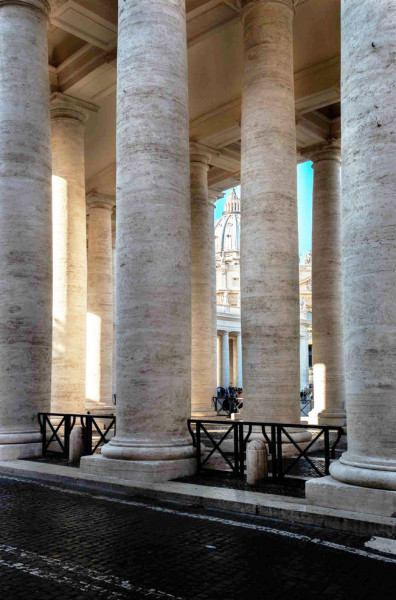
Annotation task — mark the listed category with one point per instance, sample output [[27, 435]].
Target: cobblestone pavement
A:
[[72, 545]]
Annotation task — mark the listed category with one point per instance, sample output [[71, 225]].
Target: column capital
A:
[[68, 107], [330, 150], [41, 5], [200, 154], [213, 196], [97, 200], [248, 5]]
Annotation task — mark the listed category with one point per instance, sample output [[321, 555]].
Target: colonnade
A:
[[158, 353], [230, 363]]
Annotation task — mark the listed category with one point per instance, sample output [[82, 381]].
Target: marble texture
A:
[[25, 226], [369, 243], [68, 120], [99, 384], [327, 304], [269, 236], [153, 274], [203, 380]]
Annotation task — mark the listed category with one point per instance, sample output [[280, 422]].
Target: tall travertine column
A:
[[100, 304], [114, 266], [327, 315], [68, 118], [368, 37], [25, 226], [153, 248], [203, 382], [213, 196], [304, 359], [225, 359], [269, 237], [239, 361]]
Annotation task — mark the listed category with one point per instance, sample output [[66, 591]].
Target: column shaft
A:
[[269, 236], [100, 304], [203, 383], [239, 361], [327, 326], [225, 360], [25, 226], [369, 243], [68, 119], [153, 301]]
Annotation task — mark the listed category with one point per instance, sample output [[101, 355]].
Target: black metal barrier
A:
[[57, 432], [240, 432]]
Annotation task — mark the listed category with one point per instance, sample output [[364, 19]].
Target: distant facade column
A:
[[68, 120], [25, 227], [304, 359], [364, 479], [225, 359], [269, 235], [327, 305], [203, 381], [153, 311], [100, 304], [239, 361]]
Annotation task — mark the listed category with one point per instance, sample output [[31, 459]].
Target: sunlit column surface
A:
[[25, 226], [100, 304], [239, 361], [327, 304], [203, 382], [68, 119]]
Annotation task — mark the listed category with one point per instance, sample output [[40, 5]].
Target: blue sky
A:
[[304, 195]]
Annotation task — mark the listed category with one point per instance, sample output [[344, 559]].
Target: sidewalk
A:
[[284, 508]]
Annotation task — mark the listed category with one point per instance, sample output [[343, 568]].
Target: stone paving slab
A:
[[69, 545], [253, 503]]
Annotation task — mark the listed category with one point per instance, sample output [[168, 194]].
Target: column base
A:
[[330, 493], [17, 451], [338, 419], [143, 471], [204, 414]]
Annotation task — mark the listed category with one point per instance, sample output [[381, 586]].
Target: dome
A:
[[228, 227]]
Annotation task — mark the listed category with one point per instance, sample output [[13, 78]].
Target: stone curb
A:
[[250, 503]]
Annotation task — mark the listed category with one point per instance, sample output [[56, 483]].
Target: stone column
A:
[[269, 236], [327, 326], [203, 382], [212, 197], [68, 119], [239, 361], [364, 479], [153, 248], [25, 226], [100, 304], [114, 266], [225, 359]]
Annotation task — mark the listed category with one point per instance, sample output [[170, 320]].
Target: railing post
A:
[[274, 453], [327, 451], [67, 430], [44, 435], [236, 449], [241, 450], [89, 434], [198, 423], [279, 459]]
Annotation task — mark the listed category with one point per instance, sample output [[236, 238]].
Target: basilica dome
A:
[[228, 227]]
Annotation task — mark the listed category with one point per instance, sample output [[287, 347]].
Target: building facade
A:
[[228, 300]]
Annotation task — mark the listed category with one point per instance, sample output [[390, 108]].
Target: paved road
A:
[[70, 545]]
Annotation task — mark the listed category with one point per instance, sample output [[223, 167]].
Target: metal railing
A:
[[274, 434], [56, 429]]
